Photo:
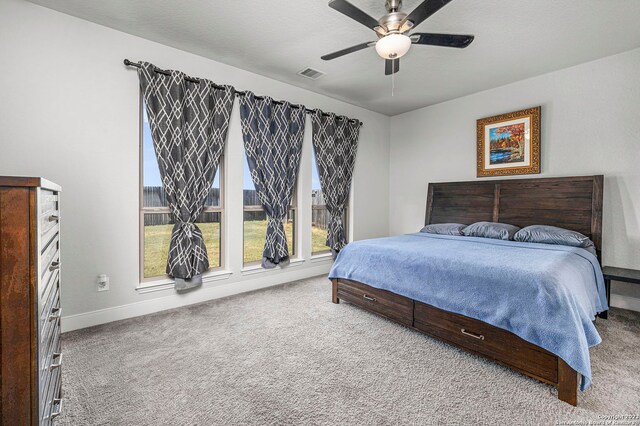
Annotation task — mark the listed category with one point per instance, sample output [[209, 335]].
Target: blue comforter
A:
[[546, 294]]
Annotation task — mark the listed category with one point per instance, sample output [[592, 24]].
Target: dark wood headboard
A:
[[568, 202]]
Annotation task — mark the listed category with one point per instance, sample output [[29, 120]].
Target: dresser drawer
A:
[[47, 291], [52, 399], [47, 234], [48, 220], [49, 253], [487, 340], [382, 302], [50, 320], [49, 366], [48, 225], [48, 302], [50, 333], [49, 264], [48, 202], [49, 360], [49, 349]]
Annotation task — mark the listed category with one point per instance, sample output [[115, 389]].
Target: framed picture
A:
[[509, 144]]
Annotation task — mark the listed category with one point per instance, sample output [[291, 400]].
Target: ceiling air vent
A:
[[311, 73]]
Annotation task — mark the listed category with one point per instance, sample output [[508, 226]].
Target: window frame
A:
[[142, 210]]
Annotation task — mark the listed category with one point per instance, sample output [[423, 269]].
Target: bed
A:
[[527, 306]]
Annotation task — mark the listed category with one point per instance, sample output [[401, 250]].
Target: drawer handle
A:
[[470, 334], [372, 299], [56, 313], [54, 265], [58, 402], [54, 218], [58, 364]]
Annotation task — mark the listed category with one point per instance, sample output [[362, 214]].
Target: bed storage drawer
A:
[[482, 338], [382, 302]]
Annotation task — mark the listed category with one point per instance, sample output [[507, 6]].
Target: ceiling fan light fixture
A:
[[393, 46]]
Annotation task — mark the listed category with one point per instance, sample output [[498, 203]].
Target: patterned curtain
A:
[[189, 123], [335, 141], [272, 134]]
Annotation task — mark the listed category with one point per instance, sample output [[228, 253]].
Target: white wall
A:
[[69, 112], [590, 125]]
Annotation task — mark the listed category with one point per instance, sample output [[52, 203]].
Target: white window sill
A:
[[168, 283], [323, 257], [258, 269]]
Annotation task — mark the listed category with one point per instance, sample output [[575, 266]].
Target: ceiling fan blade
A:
[[391, 66], [446, 40], [348, 50], [422, 12], [354, 13]]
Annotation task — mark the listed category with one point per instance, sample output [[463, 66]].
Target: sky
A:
[[152, 173]]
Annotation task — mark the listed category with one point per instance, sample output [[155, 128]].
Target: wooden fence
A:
[[154, 196], [319, 213]]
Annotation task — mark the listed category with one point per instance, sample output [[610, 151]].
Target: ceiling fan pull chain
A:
[[393, 83]]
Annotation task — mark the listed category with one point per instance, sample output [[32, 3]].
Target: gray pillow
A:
[[591, 250], [553, 235], [498, 231], [444, 228]]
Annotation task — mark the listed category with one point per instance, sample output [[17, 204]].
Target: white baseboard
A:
[[625, 302], [215, 291]]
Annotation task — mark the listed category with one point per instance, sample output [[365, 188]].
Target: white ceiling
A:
[[515, 39]]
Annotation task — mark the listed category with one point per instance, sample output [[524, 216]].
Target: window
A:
[[156, 223], [319, 213], [255, 221]]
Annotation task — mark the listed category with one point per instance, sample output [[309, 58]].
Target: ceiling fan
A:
[[393, 41]]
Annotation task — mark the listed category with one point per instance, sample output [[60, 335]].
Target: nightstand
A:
[[618, 274]]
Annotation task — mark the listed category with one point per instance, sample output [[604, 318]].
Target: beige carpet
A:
[[287, 355]]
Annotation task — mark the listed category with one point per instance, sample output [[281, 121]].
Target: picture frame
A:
[[509, 144]]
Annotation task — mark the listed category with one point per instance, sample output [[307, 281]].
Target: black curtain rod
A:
[[238, 92]]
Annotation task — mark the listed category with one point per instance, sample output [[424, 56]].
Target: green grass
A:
[[319, 240], [254, 233], [156, 247], [157, 238]]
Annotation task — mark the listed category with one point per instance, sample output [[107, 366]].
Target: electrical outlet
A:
[[103, 282]]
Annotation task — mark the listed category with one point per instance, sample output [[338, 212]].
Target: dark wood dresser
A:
[[30, 356]]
